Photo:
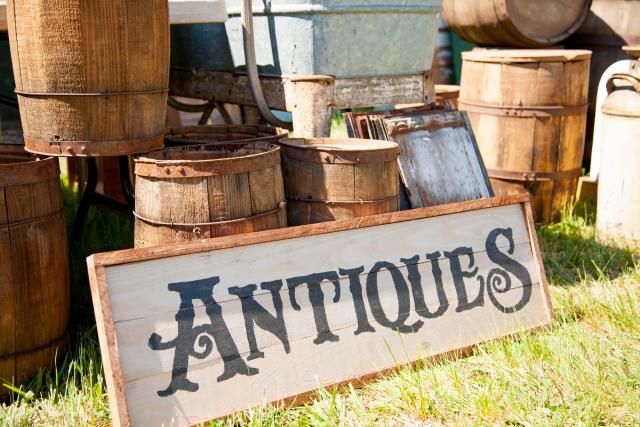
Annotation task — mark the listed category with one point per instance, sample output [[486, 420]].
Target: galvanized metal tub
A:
[[342, 38]]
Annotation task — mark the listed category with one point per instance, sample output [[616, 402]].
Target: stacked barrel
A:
[[526, 99]]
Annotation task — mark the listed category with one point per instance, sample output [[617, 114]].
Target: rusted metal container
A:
[[618, 215], [222, 133], [199, 191], [331, 179]]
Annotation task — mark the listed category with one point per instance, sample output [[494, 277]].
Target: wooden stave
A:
[[548, 192], [59, 112], [497, 29], [309, 207], [148, 228], [33, 229]]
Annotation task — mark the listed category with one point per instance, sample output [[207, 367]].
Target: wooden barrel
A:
[[187, 135], [528, 112], [610, 25], [199, 191], [34, 270], [92, 76], [332, 179], [517, 23]]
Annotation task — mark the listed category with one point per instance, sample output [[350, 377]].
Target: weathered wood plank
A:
[[439, 158], [262, 318]]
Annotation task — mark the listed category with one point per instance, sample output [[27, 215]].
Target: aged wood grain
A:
[[208, 191], [91, 76], [133, 302], [439, 158], [34, 276], [530, 140]]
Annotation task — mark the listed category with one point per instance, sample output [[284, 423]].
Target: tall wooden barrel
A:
[[610, 25], [34, 270], [91, 76], [222, 133], [517, 23], [199, 191], [528, 111], [332, 179]]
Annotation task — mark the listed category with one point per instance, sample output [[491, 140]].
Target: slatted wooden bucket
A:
[[91, 76], [199, 191], [528, 111], [517, 23], [34, 271], [175, 137], [332, 179]]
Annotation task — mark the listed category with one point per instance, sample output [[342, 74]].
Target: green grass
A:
[[584, 370]]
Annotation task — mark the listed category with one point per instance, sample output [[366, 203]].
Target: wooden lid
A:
[[348, 151], [525, 55], [632, 50], [204, 160], [17, 167]]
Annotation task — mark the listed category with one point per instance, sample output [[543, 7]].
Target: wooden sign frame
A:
[[111, 348]]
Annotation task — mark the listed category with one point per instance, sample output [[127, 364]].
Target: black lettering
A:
[[458, 279], [184, 344], [316, 297], [402, 292], [255, 314], [355, 287], [416, 285], [498, 280]]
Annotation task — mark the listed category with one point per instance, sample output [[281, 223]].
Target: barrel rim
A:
[[255, 133], [526, 55], [325, 144], [32, 170], [149, 165]]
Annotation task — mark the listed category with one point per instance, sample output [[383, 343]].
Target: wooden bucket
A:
[[517, 23], [34, 270], [528, 111], [332, 179], [176, 137], [92, 76], [199, 191]]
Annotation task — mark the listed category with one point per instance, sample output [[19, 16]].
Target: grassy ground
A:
[[585, 370]]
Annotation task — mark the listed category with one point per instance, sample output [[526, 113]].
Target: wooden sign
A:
[[193, 332]]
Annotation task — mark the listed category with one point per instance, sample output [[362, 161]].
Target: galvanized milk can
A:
[[619, 179]]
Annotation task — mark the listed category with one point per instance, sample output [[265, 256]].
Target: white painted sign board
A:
[[194, 332]]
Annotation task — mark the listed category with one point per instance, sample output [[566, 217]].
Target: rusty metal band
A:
[[150, 168], [281, 207], [343, 202], [342, 157], [533, 176], [516, 111], [31, 171], [34, 220], [54, 342], [93, 148], [107, 94]]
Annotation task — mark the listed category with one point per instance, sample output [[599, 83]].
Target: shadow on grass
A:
[[571, 251], [103, 232]]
